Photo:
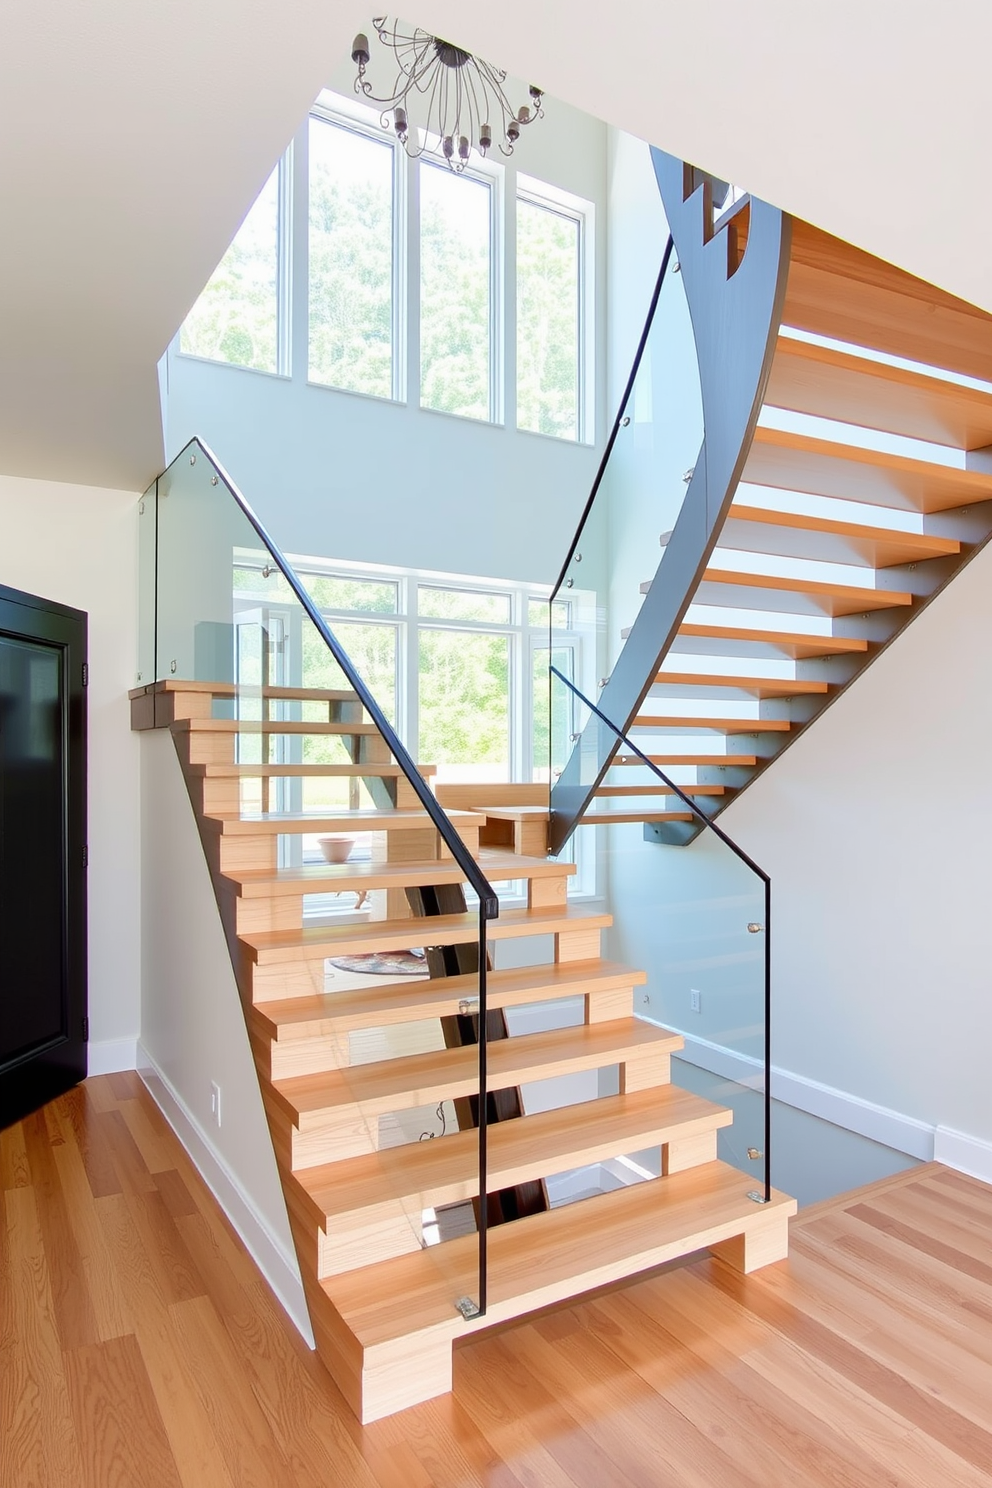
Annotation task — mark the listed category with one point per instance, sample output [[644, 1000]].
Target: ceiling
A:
[[138, 134]]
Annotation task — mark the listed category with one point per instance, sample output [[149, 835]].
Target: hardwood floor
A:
[[140, 1346]]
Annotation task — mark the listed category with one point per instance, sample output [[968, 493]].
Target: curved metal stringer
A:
[[734, 271]]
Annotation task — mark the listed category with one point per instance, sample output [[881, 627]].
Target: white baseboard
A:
[[967, 1154], [878, 1123], [276, 1263], [110, 1056]]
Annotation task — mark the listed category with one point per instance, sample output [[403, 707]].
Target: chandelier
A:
[[465, 95]]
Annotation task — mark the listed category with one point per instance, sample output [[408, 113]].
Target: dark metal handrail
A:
[[738, 852], [617, 422]]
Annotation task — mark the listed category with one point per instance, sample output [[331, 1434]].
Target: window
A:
[[455, 292], [549, 248], [236, 318], [351, 260]]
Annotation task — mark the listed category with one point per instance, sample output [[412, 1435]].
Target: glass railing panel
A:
[[145, 670], [696, 918], [321, 814], [635, 504]]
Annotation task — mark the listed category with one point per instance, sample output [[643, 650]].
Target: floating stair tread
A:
[[827, 383], [446, 1171], [548, 1257], [832, 598], [725, 725], [800, 645], [267, 726], [759, 686], [331, 878], [232, 689], [411, 999], [226, 771], [270, 946], [880, 547], [514, 813], [449, 1074], [629, 815], [658, 790], [365, 819], [821, 467], [724, 761], [837, 290]]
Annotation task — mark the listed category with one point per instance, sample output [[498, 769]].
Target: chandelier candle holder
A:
[[465, 96]]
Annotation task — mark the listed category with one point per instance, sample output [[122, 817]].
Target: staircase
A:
[[341, 1071], [845, 487]]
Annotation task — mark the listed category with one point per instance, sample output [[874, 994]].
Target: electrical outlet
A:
[[215, 1102], [694, 999]]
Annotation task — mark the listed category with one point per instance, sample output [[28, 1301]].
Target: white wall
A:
[[76, 545], [193, 1030], [340, 475]]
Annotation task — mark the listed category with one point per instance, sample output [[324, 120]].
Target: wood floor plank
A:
[[121, 1436], [864, 1361], [38, 1443]]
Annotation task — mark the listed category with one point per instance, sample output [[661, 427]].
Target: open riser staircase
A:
[[382, 1304], [842, 489]]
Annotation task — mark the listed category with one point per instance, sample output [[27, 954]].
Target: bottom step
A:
[[386, 1331]]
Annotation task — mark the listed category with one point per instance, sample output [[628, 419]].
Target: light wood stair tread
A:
[[837, 290], [724, 761], [832, 598], [547, 1257], [759, 686], [879, 547], [800, 645], [724, 725], [446, 1171], [443, 1074], [319, 878], [659, 790], [514, 813], [624, 815], [311, 942], [437, 997], [828, 383], [821, 467], [226, 771], [364, 819], [267, 726], [233, 689]]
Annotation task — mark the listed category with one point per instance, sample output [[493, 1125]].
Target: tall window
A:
[[456, 215], [351, 259], [236, 318], [549, 245]]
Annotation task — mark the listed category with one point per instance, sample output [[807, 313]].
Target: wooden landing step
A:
[[760, 687], [334, 878], [277, 947], [821, 467], [364, 819], [378, 1321], [337, 1013], [233, 689], [450, 1074], [795, 594], [425, 1174], [828, 383], [759, 529]]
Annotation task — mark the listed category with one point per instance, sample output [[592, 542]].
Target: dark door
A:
[[42, 852]]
